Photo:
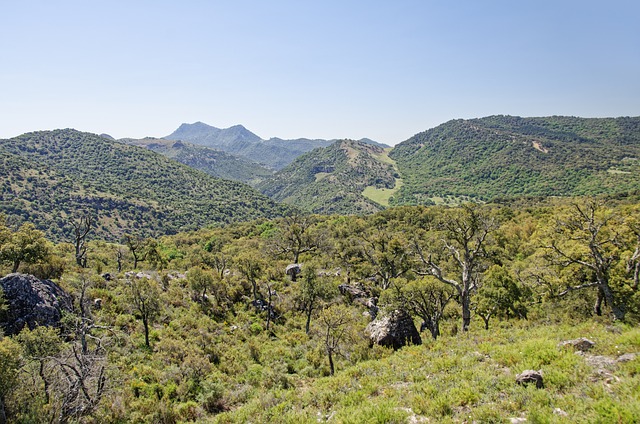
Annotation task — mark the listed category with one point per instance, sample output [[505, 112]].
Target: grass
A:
[[471, 377], [381, 195]]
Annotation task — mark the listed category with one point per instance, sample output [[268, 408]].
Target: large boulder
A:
[[396, 330], [32, 302]]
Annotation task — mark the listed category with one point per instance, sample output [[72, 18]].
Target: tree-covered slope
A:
[[214, 162], [511, 156], [333, 179], [49, 177]]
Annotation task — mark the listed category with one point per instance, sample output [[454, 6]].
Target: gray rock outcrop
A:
[[396, 330], [582, 344], [32, 302]]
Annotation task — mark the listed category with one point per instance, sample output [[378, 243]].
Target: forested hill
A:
[[333, 179], [49, 177], [214, 162], [507, 156]]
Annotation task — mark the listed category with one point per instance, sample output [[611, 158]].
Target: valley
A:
[[484, 270]]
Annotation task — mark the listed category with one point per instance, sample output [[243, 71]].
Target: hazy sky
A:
[[318, 69]]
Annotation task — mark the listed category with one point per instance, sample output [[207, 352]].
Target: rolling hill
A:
[[508, 156], [275, 153], [333, 179], [214, 162], [48, 177]]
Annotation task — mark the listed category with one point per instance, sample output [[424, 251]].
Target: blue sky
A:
[[324, 69]]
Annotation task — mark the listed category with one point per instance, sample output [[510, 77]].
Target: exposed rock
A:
[[395, 330], [32, 302], [560, 412], [139, 275], [627, 357], [600, 362], [530, 376], [517, 420], [97, 304], [353, 291], [582, 344], [107, 276], [293, 270]]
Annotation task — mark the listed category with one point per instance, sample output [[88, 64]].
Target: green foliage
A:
[[48, 176], [506, 156]]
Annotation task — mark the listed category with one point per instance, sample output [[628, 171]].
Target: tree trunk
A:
[[331, 367], [618, 314], [16, 265], [597, 307], [309, 311], [3, 415], [465, 300], [145, 322], [486, 321], [434, 327]]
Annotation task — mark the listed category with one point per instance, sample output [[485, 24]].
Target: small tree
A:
[[457, 256], [296, 235], [426, 298], [81, 228], [313, 290], [336, 321], [25, 245], [587, 237], [501, 295], [145, 297], [136, 246], [200, 281]]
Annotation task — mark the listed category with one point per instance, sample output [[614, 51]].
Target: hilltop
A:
[[334, 179], [49, 177]]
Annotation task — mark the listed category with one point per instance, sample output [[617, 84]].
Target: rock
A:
[[560, 412], [293, 270], [395, 330], [627, 357], [353, 291], [107, 276], [530, 376], [97, 303], [517, 420], [582, 344], [32, 302]]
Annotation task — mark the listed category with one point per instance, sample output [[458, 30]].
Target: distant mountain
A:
[[275, 153], [48, 177], [214, 162], [347, 177], [509, 156]]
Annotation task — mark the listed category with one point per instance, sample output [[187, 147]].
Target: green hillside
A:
[[333, 179], [214, 162], [506, 156], [48, 177]]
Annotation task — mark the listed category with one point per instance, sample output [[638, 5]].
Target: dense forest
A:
[[272, 320]]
